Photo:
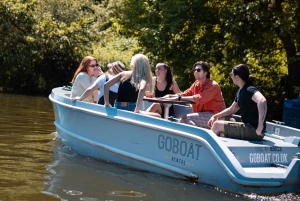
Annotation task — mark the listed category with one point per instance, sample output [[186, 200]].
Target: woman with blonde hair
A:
[[113, 69], [85, 75], [132, 84]]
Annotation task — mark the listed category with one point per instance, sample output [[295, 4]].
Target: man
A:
[[253, 106], [206, 94]]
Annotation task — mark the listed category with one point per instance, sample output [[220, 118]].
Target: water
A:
[[35, 166]]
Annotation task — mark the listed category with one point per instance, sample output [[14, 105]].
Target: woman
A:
[[132, 84], [113, 69], [85, 75], [164, 84]]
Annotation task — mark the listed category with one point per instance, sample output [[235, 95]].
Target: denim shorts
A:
[[130, 106]]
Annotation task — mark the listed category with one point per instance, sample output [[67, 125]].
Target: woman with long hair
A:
[[113, 69], [164, 85], [132, 84], [85, 75]]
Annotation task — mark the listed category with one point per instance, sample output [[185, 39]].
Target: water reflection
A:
[[25, 124], [77, 177]]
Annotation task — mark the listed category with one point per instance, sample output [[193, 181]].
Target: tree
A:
[[267, 28], [43, 42], [224, 33]]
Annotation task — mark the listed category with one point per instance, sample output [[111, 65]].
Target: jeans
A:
[[130, 106]]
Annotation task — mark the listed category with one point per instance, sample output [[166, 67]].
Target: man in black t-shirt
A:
[[252, 105]]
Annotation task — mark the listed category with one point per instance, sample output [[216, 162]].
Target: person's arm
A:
[[108, 84], [143, 85], [87, 92], [226, 112], [262, 110], [153, 85], [175, 97], [175, 88]]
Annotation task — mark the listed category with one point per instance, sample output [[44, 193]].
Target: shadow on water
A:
[[33, 166]]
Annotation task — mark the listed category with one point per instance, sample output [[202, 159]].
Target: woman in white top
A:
[[113, 69], [85, 75]]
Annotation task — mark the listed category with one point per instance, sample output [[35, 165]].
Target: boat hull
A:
[[165, 147]]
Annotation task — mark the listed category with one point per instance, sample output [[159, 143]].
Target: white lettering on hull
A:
[[268, 158]]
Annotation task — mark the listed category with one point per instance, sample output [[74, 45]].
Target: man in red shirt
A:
[[206, 94]]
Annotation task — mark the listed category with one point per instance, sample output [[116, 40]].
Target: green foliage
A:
[[44, 41], [261, 34], [111, 44]]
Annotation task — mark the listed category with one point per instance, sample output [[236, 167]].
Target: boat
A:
[[270, 166]]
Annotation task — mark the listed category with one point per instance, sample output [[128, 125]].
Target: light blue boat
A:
[[263, 167]]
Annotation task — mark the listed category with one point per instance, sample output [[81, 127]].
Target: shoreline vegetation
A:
[[44, 41]]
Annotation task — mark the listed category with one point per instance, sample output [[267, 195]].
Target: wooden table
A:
[[167, 103]]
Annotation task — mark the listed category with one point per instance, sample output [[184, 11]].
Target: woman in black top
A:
[[164, 85], [132, 84]]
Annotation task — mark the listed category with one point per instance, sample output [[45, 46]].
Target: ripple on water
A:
[[72, 192], [126, 193]]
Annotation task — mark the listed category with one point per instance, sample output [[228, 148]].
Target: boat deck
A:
[[266, 142], [263, 153]]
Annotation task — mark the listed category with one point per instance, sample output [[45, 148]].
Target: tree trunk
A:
[[293, 59]]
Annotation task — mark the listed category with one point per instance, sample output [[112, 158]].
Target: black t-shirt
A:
[[127, 92], [248, 108]]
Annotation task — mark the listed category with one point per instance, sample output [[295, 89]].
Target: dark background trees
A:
[[42, 42], [261, 33]]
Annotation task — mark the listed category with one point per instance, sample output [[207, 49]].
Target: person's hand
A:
[[97, 72], [259, 130], [149, 94], [75, 98], [211, 121], [107, 105]]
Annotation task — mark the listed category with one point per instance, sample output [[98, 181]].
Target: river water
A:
[[34, 165]]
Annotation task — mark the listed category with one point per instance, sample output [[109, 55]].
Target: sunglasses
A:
[[159, 68], [94, 65], [197, 69]]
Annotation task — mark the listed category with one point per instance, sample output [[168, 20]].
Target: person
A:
[[252, 105], [85, 75], [206, 95], [164, 84], [132, 84], [113, 69]]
